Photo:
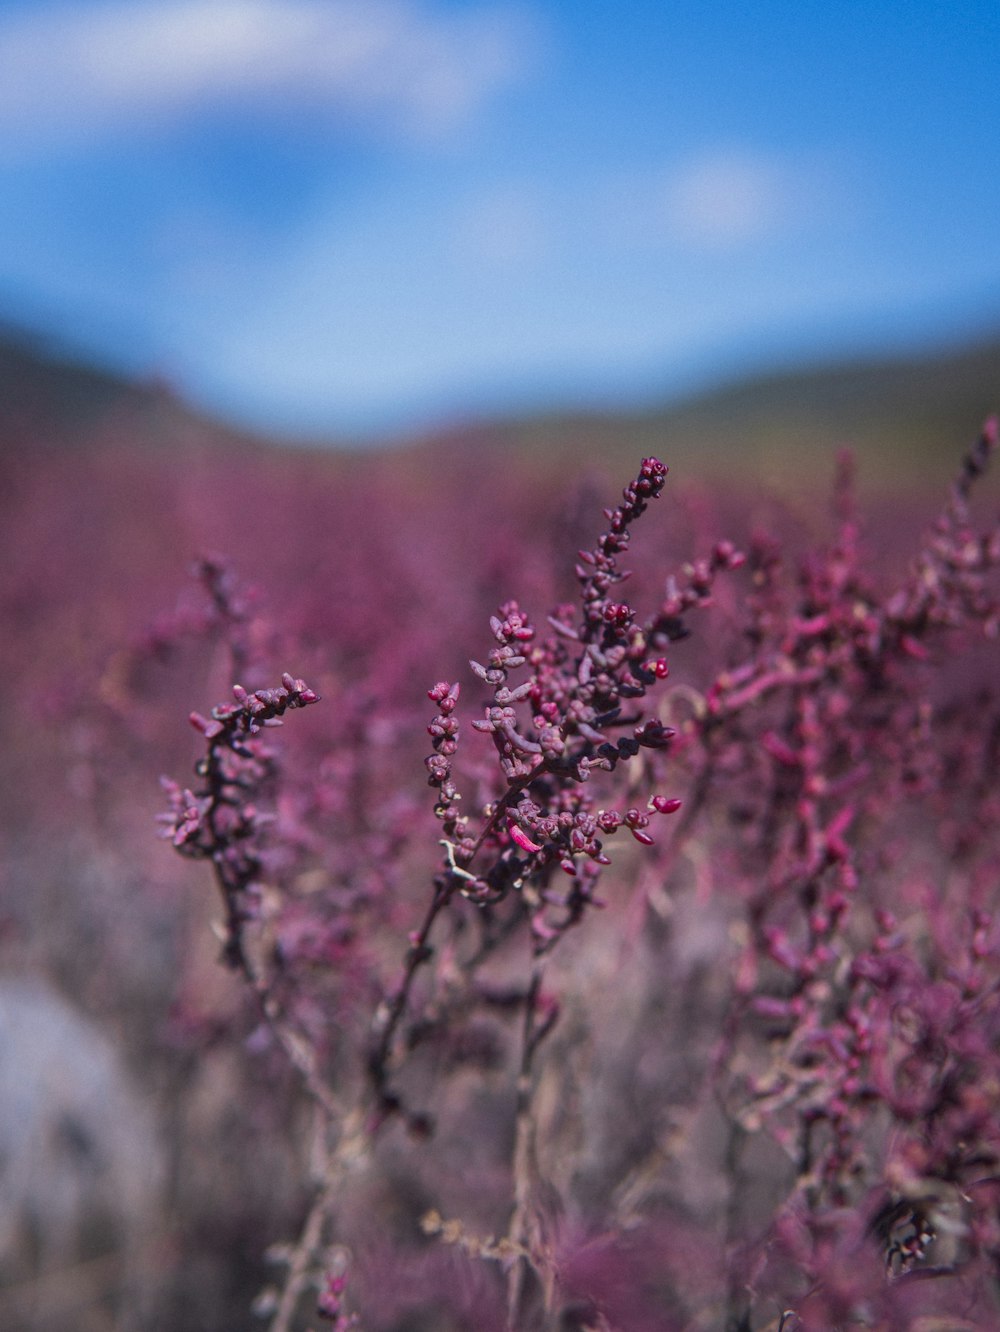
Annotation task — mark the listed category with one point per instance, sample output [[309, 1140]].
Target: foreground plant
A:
[[838, 819]]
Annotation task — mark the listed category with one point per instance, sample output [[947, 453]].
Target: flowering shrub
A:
[[762, 1090]]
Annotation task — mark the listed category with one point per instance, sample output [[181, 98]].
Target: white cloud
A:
[[729, 200], [73, 73], [722, 200]]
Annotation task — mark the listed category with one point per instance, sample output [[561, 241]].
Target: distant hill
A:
[[51, 397], [54, 390], [907, 418]]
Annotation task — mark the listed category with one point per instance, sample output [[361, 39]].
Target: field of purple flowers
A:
[[608, 939]]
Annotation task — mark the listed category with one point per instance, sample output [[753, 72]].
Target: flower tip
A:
[[665, 805], [521, 837], [209, 729]]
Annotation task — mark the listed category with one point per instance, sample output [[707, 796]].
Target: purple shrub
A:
[[791, 1115]]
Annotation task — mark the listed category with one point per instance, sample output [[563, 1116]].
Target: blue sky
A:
[[368, 215]]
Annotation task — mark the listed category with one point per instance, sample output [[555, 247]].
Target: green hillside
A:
[[907, 420]]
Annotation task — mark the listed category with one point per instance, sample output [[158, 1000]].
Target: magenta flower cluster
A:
[[219, 820]]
